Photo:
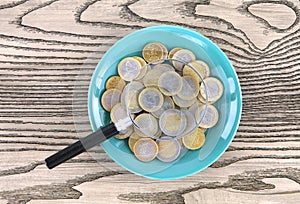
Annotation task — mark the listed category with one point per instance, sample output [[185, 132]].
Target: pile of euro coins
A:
[[169, 96]]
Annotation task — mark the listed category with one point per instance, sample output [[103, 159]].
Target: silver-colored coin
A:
[[168, 104], [190, 88], [150, 99], [146, 124], [168, 150], [207, 118], [172, 122], [170, 83], [129, 68], [110, 98], [183, 103], [182, 55]]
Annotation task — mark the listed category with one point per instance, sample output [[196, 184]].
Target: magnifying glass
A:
[[158, 102]]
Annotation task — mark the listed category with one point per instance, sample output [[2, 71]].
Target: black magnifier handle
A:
[[86, 143]]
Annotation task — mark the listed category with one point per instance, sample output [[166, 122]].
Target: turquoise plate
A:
[[218, 138]]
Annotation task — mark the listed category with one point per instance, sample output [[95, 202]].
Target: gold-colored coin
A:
[[202, 100], [165, 50], [110, 98], [152, 76], [168, 150], [207, 118], [183, 56], [145, 149], [172, 122], [151, 99], [173, 51], [141, 60], [199, 68], [190, 88], [133, 138], [195, 140], [125, 134], [170, 83], [214, 89], [115, 82], [152, 52], [146, 124], [143, 70], [129, 96], [203, 129], [129, 68]]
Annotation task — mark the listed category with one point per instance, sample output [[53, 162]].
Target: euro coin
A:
[[164, 67], [129, 68], [118, 112], [168, 150], [110, 98], [207, 118], [115, 82], [133, 138], [165, 50], [125, 134], [146, 124], [168, 104], [193, 108], [214, 89], [152, 52], [194, 140], [150, 99], [183, 103], [190, 88], [158, 134], [191, 123], [173, 51], [143, 69], [202, 100], [152, 76], [182, 56], [199, 70], [172, 122], [129, 96], [145, 149], [170, 83]]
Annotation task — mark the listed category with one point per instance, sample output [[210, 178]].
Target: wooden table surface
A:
[[43, 47]]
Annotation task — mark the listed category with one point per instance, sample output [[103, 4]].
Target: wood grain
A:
[[45, 44]]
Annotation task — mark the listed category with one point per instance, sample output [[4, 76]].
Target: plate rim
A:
[[199, 37]]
